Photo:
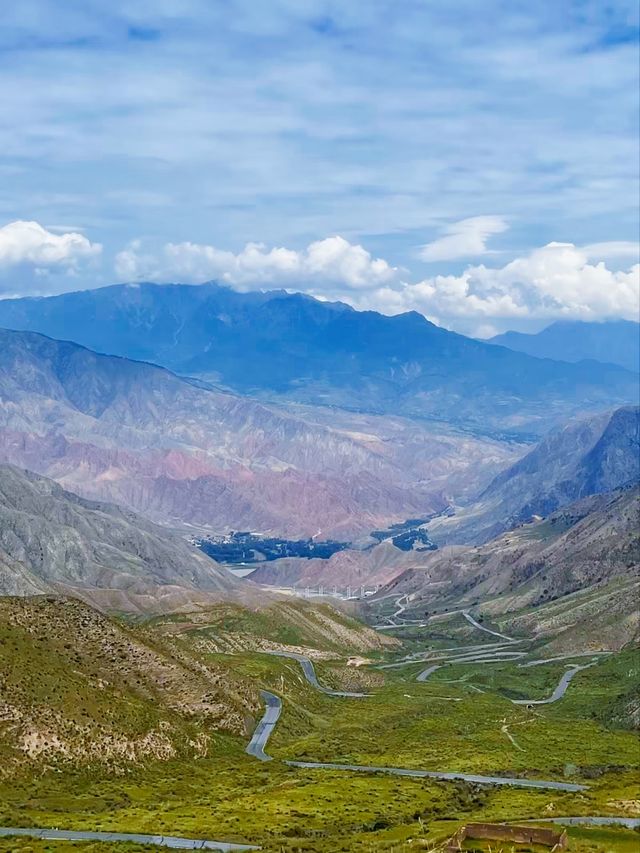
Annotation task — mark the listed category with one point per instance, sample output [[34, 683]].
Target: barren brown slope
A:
[[583, 548], [51, 539], [587, 456], [377, 565], [135, 434]]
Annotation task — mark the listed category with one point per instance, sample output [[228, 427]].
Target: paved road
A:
[[480, 627], [265, 727], [312, 678], [437, 774], [628, 822], [274, 707], [422, 676], [560, 690], [499, 656], [479, 658], [482, 657], [481, 646], [541, 661], [158, 840], [401, 607]]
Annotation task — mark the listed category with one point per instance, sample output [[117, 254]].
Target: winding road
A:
[[422, 676], [502, 656], [267, 724], [587, 820], [480, 627], [487, 653], [265, 727], [541, 661], [438, 774], [560, 690], [312, 678]]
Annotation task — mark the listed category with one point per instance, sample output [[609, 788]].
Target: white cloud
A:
[[323, 263], [464, 239], [555, 281], [615, 249], [28, 243]]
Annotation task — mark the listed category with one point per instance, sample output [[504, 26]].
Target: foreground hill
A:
[[81, 689], [53, 540], [611, 342], [587, 456], [136, 434], [291, 346], [580, 567]]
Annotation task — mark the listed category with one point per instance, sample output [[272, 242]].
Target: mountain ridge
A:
[[589, 549], [52, 540], [586, 456], [138, 435], [293, 347], [610, 342]]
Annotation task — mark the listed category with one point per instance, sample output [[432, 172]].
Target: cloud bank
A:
[[553, 282], [329, 262], [559, 280]]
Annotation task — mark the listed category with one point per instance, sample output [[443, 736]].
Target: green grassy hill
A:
[[140, 728], [79, 689], [290, 623]]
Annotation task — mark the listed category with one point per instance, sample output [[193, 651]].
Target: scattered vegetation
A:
[[221, 793]]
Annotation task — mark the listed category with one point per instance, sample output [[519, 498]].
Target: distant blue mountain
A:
[[293, 347], [612, 342]]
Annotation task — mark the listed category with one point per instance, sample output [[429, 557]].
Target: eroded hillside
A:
[[52, 540]]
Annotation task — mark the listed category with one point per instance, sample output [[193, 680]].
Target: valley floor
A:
[[464, 718]]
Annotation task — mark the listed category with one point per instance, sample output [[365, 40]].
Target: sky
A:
[[476, 162]]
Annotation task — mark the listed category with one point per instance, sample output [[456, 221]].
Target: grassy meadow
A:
[[445, 723]]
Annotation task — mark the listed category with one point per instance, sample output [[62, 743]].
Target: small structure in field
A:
[[529, 835]]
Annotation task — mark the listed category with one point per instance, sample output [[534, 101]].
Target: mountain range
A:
[[296, 348], [612, 341], [588, 456], [135, 434], [580, 566]]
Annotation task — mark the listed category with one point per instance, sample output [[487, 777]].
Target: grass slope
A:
[[222, 793], [294, 623]]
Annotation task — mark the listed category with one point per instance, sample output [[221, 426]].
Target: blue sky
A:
[[142, 126]]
